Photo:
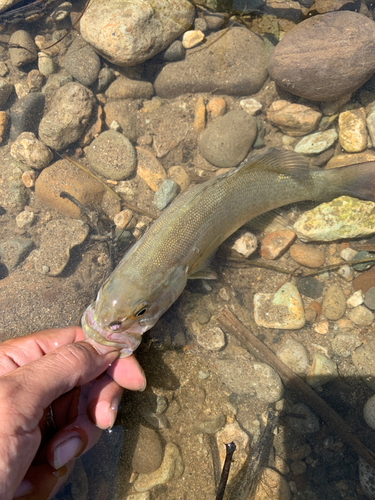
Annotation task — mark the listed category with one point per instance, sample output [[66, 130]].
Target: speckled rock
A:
[[276, 243], [299, 65], [21, 56], [14, 250], [25, 219], [308, 256], [125, 88], [112, 155], [334, 303], [282, 310], [29, 150], [361, 316], [129, 34], [5, 91], [353, 130], [68, 116], [210, 336], [245, 244], [57, 239], [343, 217], [13, 193], [316, 143], [323, 370], [363, 359], [127, 115], [148, 453], [82, 62], [294, 355], [226, 142], [171, 468], [344, 345], [26, 114], [150, 169], [295, 120]]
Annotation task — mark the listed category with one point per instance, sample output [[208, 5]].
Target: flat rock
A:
[[150, 169], [125, 88], [361, 316], [295, 120], [318, 58], [126, 113], [307, 256], [82, 62], [316, 143], [276, 243], [343, 345], [235, 64]]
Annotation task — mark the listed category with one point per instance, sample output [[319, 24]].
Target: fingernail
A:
[[113, 411], [144, 382], [25, 488], [67, 450]]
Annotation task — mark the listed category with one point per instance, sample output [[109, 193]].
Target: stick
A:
[[296, 384]]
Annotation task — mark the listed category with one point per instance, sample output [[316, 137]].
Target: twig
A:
[[296, 384], [230, 449]]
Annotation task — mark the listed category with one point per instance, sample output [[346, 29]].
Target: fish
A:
[[182, 242]]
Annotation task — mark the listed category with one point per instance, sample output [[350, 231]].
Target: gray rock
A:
[[25, 55], [68, 116], [316, 143], [363, 359], [166, 193], [13, 192], [55, 82], [294, 355], [361, 316], [127, 34], [112, 155], [364, 265], [310, 287], [370, 298], [322, 370], [344, 345], [300, 66], [14, 250], [5, 91], [125, 88], [334, 303], [125, 112], [148, 453], [175, 52], [26, 114], [226, 142], [82, 62], [307, 425], [105, 77], [236, 64], [30, 151]]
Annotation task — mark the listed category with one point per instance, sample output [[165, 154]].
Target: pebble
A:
[[251, 106], [307, 425], [125, 88], [245, 244], [129, 34], [232, 432], [294, 355], [356, 299], [150, 169], [13, 251], [365, 265], [21, 56], [369, 412], [210, 425], [5, 91], [361, 316], [353, 131], [310, 287], [310, 315], [29, 150], [166, 193], [175, 52], [322, 370], [216, 107], [61, 12], [26, 114], [344, 345], [148, 452], [276, 243], [46, 65], [21, 89], [366, 479], [316, 143], [282, 310], [348, 254], [57, 239], [209, 336], [363, 359], [322, 327], [126, 114], [25, 219], [307, 256], [199, 115], [29, 178], [226, 142], [67, 117], [346, 272], [13, 193], [171, 468], [294, 120], [179, 175], [334, 303], [123, 219], [35, 80], [191, 38], [112, 155], [369, 298], [82, 62], [343, 218]]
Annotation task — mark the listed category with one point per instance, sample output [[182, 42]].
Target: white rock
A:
[[25, 219], [192, 38], [246, 244], [356, 299], [348, 254], [251, 106]]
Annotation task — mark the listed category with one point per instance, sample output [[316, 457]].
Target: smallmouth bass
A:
[[181, 242]]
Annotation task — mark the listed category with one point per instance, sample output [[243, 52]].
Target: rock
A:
[[191, 38], [210, 425], [369, 298], [343, 217], [245, 244], [348, 254], [294, 120], [68, 116], [216, 107], [307, 425], [369, 412], [365, 265], [334, 303], [57, 239], [366, 478], [112, 155], [251, 106], [364, 281], [150, 169], [4, 119], [166, 193], [350, 159], [361, 316], [105, 78], [82, 62], [129, 34], [323, 370], [210, 336], [64, 176], [171, 468], [307, 256], [13, 251], [127, 115], [13, 193], [175, 52], [46, 65], [316, 143], [363, 359], [322, 327], [344, 345], [310, 287], [25, 115], [168, 126], [25, 219], [346, 272], [179, 175], [28, 53], [299, 64], [282, 310], [370, 121], [294, 355], [123, 219], [35, 80], [356, 299], [232, 432], [148, 453], [27, 149], [236, 64], [353, 131], [200, 115], [125, 88], [5, 91], [276, 243], [226, 142], [271, 485]]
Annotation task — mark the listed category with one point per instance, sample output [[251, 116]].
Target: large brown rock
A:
[[326, 56]]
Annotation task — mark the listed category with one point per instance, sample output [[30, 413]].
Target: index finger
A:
[[22, 350]]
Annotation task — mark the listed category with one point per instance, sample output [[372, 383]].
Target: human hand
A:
[[55, 370]]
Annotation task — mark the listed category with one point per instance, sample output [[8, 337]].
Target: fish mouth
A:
[[126, 341]]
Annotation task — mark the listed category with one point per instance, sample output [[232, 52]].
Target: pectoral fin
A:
[[206, 273]]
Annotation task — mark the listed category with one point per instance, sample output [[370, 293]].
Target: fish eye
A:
[[141, 311]]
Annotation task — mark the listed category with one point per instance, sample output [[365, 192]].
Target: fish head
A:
[[126, 307]]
